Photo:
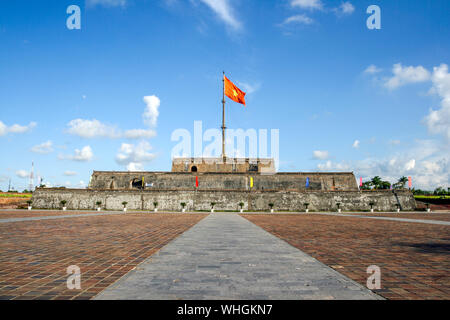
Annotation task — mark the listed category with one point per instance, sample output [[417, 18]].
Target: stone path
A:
[[225, 256], [443, 223]]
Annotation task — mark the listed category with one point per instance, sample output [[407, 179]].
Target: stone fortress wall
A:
[[50, 198], [251, 184], [222, 181]]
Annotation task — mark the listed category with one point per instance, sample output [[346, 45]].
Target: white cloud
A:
[[300, 19], [320, 155], [404, 75], [92, 129], [372, 69], [22, 174], [356, 144], [394, 142], [134, 156], [85, 154], [438, 121], [327, 166], [106, 3], [410, 165], [307, 4], [428, 163], [151, 112], [43, 148], [249, 88], [346, 8], [139, 134], [70, 173], [15, 128], [224, 11], [3, 129]]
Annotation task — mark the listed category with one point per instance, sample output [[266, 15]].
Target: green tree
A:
[[402, 181], [440, 191], [376, 182], [385, 185], [366, 185]]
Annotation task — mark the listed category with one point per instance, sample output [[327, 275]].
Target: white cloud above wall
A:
[[43, 148], [426, 162], [15, 128], [320, 155], [406, 75], [151, 112], [94, 129], [224, 11], [22, 174], [438, 120], [134, 157], [106, 3], [89, 129], [307, 4], [346, 8], [81, 155], [297, 19]]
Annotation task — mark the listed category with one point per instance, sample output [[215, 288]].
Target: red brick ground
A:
[[34, 255], [413, 257], [40, 213], [420, 216]]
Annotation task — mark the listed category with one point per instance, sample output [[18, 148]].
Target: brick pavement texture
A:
[[34, 255], [419, 215], [4, 214], [413, 257]]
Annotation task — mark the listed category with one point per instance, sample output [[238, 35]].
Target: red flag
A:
[[409, 182], [233, 92], [196, 182]]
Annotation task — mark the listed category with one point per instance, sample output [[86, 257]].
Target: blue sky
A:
[[109, 96]]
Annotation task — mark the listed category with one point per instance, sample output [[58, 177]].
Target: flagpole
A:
[[223, 118]]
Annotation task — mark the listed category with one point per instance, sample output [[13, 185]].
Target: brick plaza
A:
[[34, 255]]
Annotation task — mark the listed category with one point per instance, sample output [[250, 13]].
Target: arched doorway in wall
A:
[[194, 169], [136, 184]]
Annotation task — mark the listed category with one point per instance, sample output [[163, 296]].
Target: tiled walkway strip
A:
[[225, 256]]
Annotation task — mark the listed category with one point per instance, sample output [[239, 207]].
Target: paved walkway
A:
[[225, 256], [443, 223]]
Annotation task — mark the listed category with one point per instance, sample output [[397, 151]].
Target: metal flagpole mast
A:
[[223, 118], [31, 177]]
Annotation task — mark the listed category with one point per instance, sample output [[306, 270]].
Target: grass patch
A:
[[15, 195], [431, 197]]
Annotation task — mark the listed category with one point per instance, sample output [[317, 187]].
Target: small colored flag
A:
[[251, 182], [233, 92], [409, 182], [143, 181], [196, 182], [307, 182], [360, 181]]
